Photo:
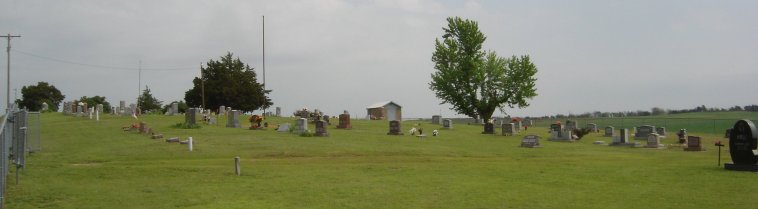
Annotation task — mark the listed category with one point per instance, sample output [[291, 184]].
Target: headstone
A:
[[325, 118], [212, 121], [643, 131], [661, 131], [694, 144], [99, 108], [113, 110], [622, 139], [395, 128], [447, 124], [121, 106], [174, 108], [489, 128], [142, 127], [571, 125], [653, 141], [517, 126], [190, 116], [609, 131], [79, 109], [278, 112], [682, 134], [222, 110], [436, 119], [284, 127], [44, 106], [508, 129], [344, 121], [233, 121], [530, 141], [321, 128], [592, 127], [301, 126], [556, 127], [743, 142]]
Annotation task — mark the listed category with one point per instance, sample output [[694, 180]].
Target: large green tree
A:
[[148, 103], [228, 82], [33, 96], [93, 101], [477, 82]]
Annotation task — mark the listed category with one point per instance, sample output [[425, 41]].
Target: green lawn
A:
[[89, 164]]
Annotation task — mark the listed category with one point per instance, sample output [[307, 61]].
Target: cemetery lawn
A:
[[90, 164]]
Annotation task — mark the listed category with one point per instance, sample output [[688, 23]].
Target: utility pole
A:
[[264, 59], [139, 83], [202, 86], [8, 90]]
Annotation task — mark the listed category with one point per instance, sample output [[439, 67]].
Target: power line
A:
[[103, 66]]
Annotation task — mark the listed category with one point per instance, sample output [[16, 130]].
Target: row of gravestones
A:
[[301, 125]]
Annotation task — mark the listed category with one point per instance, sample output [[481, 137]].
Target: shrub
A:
[[581, 132]]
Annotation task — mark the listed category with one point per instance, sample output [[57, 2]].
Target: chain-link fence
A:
[[20, 134], [710, 126]]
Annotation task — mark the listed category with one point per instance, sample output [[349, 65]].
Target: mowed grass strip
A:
[[90, 164]]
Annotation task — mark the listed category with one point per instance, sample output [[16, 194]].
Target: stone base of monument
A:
[[741, 167], [700, 148]]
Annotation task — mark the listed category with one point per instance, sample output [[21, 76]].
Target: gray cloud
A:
[[336, 55]]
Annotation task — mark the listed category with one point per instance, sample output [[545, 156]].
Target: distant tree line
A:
[[653, 112]]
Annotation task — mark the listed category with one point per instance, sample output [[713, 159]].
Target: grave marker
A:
[[654, 141], [321, 128], [661, 131], [508, 129], [233, 121], [301, 126], [344, 121], [609, 131], [694, 144], [489, 128], [395, 128], [643, 131], [592, 127], [190, 117], [447, 124], [284, 127], [743, 142], [436, 119], [530, 141]]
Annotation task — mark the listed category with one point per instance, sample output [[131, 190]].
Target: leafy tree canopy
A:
[[93, 101], [33, 96], [148, 103], [477, 82], [228, 82]]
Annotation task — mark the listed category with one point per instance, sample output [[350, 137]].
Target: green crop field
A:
[[708, 122], [89, 164]]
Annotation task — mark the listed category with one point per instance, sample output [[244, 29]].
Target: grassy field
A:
[[90, 164]]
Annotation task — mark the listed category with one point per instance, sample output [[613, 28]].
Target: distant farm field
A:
[[89, 164]]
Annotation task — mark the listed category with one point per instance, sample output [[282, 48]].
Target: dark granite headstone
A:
[[743, 141], [395, 128], [321, 128], [489, 128], [556, 127], [643, 131]]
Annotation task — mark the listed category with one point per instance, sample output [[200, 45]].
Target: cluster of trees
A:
[[227, 81]]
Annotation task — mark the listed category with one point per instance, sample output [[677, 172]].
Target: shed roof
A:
[[382, 104]]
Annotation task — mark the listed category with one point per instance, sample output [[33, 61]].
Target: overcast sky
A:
[[338, 55]]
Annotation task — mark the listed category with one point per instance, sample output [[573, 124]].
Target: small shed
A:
[[384, 111]]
